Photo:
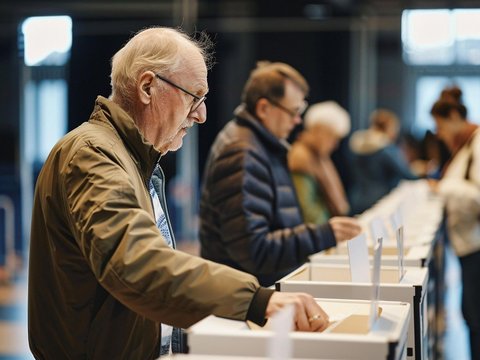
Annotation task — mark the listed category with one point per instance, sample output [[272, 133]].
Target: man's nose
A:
[[297, 119], [199, 115]]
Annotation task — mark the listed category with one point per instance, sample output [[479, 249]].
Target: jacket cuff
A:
[[258, 306], [326, 238]]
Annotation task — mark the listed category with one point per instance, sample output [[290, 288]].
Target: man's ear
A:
[[262, 108], [144, 87]]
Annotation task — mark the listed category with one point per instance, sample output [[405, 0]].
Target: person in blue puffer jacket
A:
[[250, 218]]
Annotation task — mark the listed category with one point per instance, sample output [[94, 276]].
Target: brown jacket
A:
[[102, 278]]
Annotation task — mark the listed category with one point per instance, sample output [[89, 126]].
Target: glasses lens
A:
[[302, 108], [197, 104]]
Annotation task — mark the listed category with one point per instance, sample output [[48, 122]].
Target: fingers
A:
[[318, 324], [309, 316], [345, 228], [302, 322], [318, 319]]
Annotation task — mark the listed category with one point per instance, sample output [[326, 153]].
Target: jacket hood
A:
[[368, 141], [247, 119], [144, 153]]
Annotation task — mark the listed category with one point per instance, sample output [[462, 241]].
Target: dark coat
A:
[[250, 218]]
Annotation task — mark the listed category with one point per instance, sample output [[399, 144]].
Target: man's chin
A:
[[175, 145]]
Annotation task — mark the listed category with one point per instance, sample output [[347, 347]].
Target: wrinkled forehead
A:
[[192, 68]]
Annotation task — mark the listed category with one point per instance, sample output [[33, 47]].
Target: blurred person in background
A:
[[459, 185], [250, 218], [318, 185], [378, 164]]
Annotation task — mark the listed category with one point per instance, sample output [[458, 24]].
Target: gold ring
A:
[[314, 317]]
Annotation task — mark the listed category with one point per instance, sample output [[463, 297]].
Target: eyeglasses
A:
[[293, 113], [198, 100]]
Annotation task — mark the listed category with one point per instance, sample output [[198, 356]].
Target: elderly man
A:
[[103, 274], [250, 217]]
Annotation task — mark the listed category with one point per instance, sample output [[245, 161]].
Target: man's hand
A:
[[309, 316], [345, 228]]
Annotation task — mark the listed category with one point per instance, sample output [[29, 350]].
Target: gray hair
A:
[[156, 49]]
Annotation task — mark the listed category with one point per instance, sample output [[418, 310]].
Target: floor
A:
[[13, 320]]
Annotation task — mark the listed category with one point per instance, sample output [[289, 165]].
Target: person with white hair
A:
[[105, 281], [317, 182]]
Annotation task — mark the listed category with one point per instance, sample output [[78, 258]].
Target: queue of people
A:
[[104, 273]]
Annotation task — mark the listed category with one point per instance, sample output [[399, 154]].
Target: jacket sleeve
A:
[[462, 196], [240, 189], [397, 165], [127, 254]]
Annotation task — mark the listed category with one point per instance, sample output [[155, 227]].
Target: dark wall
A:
[[9, 130], [391, 74], [321, 57], [94, 43], [9, 96], [89, 71]]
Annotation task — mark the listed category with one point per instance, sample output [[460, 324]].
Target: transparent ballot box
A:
[[348, 337], [334, 281]]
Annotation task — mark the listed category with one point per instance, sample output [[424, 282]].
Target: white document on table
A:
[[358, 258]]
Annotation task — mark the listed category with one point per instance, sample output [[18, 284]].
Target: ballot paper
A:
[[378, 230], [280, 344], [358, 258]]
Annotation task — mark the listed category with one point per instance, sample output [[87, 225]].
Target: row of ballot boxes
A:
[[346, 338], [394, 255], [334, 281]]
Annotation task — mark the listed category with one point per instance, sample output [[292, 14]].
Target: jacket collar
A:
[[245, 118], [144, 154]]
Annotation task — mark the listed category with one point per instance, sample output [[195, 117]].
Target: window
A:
[[46, 43], [442, 47], [441, 37], [47, 40]]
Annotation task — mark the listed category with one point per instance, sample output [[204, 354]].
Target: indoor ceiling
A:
[[223, 8]]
